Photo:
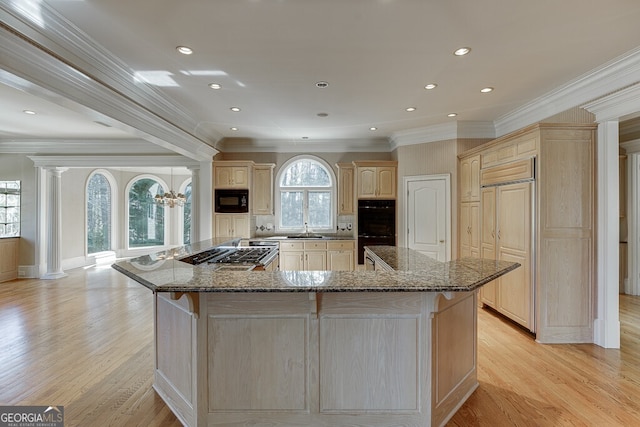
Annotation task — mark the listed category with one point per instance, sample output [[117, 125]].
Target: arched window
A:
[[146, 218], [306, 195], [99, 214], [186, 218]]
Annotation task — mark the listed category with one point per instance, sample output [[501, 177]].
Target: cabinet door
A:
[[366, 182], [488, 240], [514, 244], [231, 225], [315, 260], [291, 260], [340, 260], [474, 234], [464, 232], [223, 225], [231, 177], [241, 226], [470, 179], [345, 190], [386, 182], [262, 193]]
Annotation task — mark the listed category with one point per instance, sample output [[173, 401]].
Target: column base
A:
[[51, 276]]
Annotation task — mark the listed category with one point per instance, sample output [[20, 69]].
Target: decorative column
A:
[[205, 200], [632, 148], [607, 324], [195, 204], [54, 223]]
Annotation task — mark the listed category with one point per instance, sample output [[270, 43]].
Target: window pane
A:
[[98, 214], [319, 209], [186, 237], [291, 209], [9, 208], [146, 219], [305, 173]]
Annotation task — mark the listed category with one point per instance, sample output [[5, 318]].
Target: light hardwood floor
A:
[[86, 342]]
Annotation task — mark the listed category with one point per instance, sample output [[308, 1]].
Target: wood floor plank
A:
[[86, 342]]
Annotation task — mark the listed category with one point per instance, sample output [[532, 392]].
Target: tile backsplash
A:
[[265, 226]]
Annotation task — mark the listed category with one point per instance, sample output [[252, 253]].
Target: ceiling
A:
[[268, 56]]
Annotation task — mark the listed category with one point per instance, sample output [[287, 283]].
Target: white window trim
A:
[[167, 217], [332, 188], [180, 226], [114, 210]]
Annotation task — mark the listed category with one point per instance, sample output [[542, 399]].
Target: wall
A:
[[432, 158], [20, 167]]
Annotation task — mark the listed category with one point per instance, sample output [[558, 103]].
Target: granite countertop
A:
[[161, 272]]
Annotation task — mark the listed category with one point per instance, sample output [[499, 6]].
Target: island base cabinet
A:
[[343, 358]]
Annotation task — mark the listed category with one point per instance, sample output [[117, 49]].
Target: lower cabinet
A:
[[231, 225], [317, 256]]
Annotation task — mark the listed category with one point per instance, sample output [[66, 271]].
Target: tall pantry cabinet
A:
[[537, 198]]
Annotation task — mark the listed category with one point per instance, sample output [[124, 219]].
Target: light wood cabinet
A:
[[470, 229], [261, 196], [231, 174], [538, 209], [232, 225], [376, 180], [9, 258], [345, 189], [341, 255], [470, 179], [312, 255]]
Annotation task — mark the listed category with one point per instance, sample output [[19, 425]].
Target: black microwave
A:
[[231, 201]]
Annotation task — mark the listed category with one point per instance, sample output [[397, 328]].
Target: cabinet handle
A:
[[499, 235], [493, 234]]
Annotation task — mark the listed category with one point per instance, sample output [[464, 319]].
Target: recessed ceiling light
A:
[[322, 114], [29, 112], [462, 51], [322, 84], [215, 86], [373, 128], [452, 114], [410, 109], [235, 109], [486, 90], [431, 86], [234, 129], [184, 50]]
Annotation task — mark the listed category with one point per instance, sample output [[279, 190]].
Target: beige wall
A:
[[18, 167], [432, 158]]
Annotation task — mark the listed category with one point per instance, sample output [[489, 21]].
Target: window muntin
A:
[[99, 211], [306, 196], [9, 208], [146, 218]]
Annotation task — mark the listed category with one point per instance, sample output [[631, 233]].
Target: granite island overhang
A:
[[317, 348]]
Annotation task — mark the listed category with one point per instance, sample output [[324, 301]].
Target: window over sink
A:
[[306, 195]]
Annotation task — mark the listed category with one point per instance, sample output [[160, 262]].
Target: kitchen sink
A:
[[306, 236]]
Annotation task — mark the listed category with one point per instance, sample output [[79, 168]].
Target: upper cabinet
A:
[[262, 189], [470, 179], [376, 179], [345, 189], [231, 174]]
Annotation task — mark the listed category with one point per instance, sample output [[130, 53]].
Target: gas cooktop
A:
[[250, 255]]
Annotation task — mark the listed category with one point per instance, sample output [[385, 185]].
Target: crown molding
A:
[[616, 105], [247, 145], [631, 147], [84, 146], [443, 132], [609, 77], [111, 161], [61, 64]]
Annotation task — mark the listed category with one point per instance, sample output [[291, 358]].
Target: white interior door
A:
[[428, 212]]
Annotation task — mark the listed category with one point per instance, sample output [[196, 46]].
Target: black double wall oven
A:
[[376, 224]]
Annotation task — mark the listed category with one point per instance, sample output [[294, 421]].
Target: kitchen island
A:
[[396, 346]]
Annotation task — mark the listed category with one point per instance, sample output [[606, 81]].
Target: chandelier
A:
[[171, 198]]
